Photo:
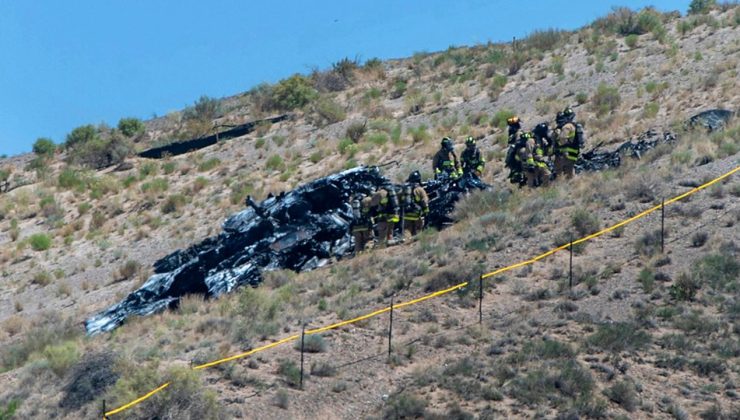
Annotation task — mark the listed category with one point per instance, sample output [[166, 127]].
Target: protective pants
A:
[[413, 226], [385, 232], [362, 237], [564, 167], [539, 176]]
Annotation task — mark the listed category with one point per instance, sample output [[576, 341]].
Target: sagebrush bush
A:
[[39, 241], [405, 406], [61, 357], [275, 163], [209, 164], [290, 372], [131, 127], [44, 147], [313, 343], [327, 111], [128, 269], [204, 109], [606, 99], [624, 394], [356, 131], [618, 336], [697, 7], [585, 222], [293, 92]]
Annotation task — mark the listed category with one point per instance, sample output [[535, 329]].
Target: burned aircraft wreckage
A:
[[299, 230], [302, 230]]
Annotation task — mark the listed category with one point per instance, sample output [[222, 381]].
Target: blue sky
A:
[[68, 63]]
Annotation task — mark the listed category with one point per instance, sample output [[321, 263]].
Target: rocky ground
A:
[[629, 339]]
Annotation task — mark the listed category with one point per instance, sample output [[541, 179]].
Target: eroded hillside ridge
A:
[[646, 334]]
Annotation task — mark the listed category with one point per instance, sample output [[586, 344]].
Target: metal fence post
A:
[[104, 416], [570, 273], [303, 336], [662, 227], [390, 330], [480, 300]]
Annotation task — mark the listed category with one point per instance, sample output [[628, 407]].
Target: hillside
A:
[[640, 335]]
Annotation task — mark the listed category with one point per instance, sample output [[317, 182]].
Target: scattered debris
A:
[[712, 120], [595, 160], [182, 147]]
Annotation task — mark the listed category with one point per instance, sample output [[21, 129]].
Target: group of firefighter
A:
[[533, 158]]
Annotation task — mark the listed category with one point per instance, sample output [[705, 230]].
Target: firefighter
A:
[[445, 162], [384, 208], [569, 139], [362, 227], [532, 156], [514, 163], [515, 124], [472, 160], [415, 204]]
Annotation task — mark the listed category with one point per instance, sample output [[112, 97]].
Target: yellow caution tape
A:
[[432, 295], [136, 401]]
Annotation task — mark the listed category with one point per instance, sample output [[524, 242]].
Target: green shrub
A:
[[313, 343], [316, 156], [174, 203], [651, 110], [293, 92], [700, 7], [631, 40], [405, 406], [155, 186], [81, 135], [205, 109], [89, 149], [290, 372], [44, 147], [50, 330], [146, 169], [356, 131], [647, 280], [209, 164], [557, 65], [721, 271], [42, 278], [585, 222], [544, 40], [239, 192], [569, 380], [40, 241], [128, 269], [70, 178], [606, 99], [348, 147], [378, 139], [500, 117], [328, 111], [168, 167], [399, 88], [186, 397], [419, 134], [61, 357], [8, 412], [131, 127], [275, 163], [619, 336], [581, 98], [624, 394]]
